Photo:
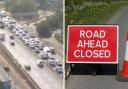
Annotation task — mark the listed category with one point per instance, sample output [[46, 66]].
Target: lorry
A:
[[2, 36]]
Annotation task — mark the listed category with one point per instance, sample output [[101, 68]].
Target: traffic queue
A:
[[41, 48]]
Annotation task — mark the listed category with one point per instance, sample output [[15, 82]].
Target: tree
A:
[[22, 7], [43, 4], [56, 20], [52, 21], [43, 29]]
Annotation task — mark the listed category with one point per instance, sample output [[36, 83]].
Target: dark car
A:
[[11, 37], [59, 64], [2, 25], [44, 56], [27, 67], [59, 70], [12, 43], [52, 50], [52, 62], [37, 50]]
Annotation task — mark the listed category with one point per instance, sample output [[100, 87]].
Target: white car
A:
[[46, 49], [27, 41], [3, 13], [37, 40], [31, 45], [40, 63], [17, 33], [32, 40]]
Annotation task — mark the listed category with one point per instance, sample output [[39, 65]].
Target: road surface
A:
[[80, 79], [44, 77], [17, 80]]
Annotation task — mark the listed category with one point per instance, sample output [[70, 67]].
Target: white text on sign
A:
[[92, 43]]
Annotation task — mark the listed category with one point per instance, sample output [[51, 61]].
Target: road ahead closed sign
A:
[[92, 44]]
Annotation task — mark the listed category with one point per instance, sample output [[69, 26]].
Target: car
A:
[[17, 33], [12, 42], [58, 63], [11, 27], [36, 44], [32, 40], [27, 41], [37, 41], [13, 22], [40, 63], [31, 45], [21, 34], [59, 70], [52, 50], [26, 31], [3, 13], [11, 37], [1, 25], [24, 34], [50, 56], [44, 56], [41, 46], [52, 62], [21, 30], [14, 30], [32, 35], [27, 67], [46, 49], [37, 50], [8, 25], [25, 37]]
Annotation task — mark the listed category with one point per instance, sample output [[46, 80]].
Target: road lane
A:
[[17, 80], [43, 77]]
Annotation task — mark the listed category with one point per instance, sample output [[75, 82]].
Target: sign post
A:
[[92, 44]]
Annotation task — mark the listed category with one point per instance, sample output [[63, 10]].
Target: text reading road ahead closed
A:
[[101, 44]]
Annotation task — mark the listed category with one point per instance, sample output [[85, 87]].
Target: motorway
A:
[[80, 79], [44, 77], [17, 80]]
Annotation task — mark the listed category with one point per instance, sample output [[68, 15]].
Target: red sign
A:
[[92, 44]]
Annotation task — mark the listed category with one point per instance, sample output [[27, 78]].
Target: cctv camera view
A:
[[31, 44], [97, 75]]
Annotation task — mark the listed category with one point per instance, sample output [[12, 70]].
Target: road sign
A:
[[92, 44]]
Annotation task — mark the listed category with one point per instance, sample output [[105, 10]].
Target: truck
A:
[[2, 36]]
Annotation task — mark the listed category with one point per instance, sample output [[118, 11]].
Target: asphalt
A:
[[81, 77], [44, 77], [17, 79]]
